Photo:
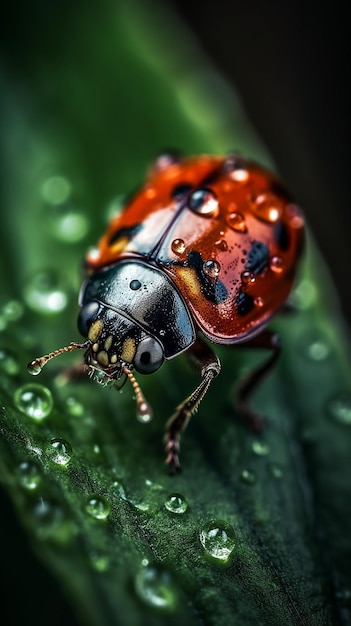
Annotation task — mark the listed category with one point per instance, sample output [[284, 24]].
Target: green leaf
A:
[[254, 531]]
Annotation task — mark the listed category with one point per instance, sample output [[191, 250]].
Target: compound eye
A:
[[87, 315], [149, 356]]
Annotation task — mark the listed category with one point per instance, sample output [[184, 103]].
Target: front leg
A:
[[208, 364]]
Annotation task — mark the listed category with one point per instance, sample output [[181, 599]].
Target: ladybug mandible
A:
[[207, 249]]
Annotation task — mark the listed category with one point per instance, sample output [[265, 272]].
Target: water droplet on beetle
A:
[[34, 400], [164, 161], [248, 277], [296, 219], [218, 540], [212, 269], [178, 247], [339, 408], [276, 264], [221, 245], [204, 202], [98, 507], [29, 476], [266, 207], [236, 168], [236, 221], [44, 294], [59, 451], [154, 586], [176, 503]]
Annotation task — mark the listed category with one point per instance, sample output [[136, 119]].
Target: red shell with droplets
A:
[[223, 229]]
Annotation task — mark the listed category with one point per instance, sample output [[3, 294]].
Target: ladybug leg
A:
[[208, 364], [269, 341]]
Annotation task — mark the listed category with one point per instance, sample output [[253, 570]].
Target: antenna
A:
[[35, 366], [144, 410]]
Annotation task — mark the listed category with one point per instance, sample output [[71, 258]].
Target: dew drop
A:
[[261, 448], [236, 221], [13, 310], [266, 207], [98, 507], [74, 406], [218, 540], [34, 400], [56, 189], [212, 269], [68, 224], [34, 368], [304, 295], [154, 586], [8, 363], [59, 451], [99, 561], [176, 503], [44, 294], [144, 412], [248, 476], [276, 470], [119, 489], [49, 519], [204, 202], [178, 247], [315, 348], [276, 264], [339, 408], [28, 475]]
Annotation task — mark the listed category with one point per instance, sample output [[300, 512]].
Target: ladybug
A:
[[204, 253]]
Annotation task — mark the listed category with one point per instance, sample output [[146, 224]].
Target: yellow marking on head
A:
[[190, 280], [128, 350], [95, 347], [102, 357], [95, 330], [108, 342], [113, 358], [120, 244]]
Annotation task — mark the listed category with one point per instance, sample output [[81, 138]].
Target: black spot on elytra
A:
[[214, 291], [282, 236], [244, 303], [122, 233], [257, 258], [181, 190]]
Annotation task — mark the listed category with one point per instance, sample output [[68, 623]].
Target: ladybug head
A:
[[114, 346]]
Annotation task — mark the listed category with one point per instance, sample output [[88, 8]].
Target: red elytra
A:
[[247, 231]]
